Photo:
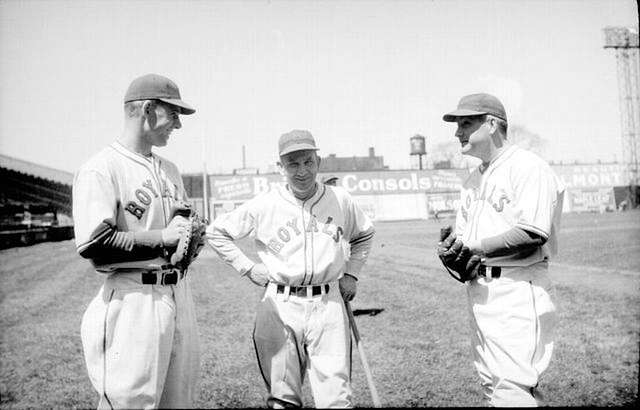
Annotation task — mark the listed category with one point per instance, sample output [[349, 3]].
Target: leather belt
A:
[[169, 276], [302, 290], [496, 271]]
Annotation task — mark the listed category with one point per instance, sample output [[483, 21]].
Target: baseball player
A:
[[139, 333], [506, 231], [312, 239], [330, 180]]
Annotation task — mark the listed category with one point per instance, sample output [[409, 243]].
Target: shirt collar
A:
[[287, 194]]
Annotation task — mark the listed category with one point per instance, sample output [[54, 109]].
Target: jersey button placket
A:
[[309, 247], [157, 177]]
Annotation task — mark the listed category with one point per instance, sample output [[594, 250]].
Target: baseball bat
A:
[[363, 357]]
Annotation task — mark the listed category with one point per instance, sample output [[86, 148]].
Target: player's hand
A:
[[348, 287], [475, 247], [450, 251], [447, 239], [259, 274], [176, 228]]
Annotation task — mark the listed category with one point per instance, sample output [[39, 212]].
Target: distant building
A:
[[332, 163], [246, 171]]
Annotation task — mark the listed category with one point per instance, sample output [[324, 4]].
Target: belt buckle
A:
[[494, 271], [482, 271], [170, 277]]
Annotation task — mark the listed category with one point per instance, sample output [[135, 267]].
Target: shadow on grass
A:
[[369, 312]]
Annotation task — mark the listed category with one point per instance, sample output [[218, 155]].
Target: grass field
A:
[[418, 346]]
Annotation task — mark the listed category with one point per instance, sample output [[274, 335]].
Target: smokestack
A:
[[244, 158], [371, 152]]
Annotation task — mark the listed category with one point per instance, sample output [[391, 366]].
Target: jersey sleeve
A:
[[535, 198], [361, 232], [229, 227], [94, 207]]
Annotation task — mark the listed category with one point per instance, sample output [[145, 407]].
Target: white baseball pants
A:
[[141, 344], [297, 333], [512, 323]]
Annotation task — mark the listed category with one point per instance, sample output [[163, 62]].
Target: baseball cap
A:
[[157, 87], [296, 140], [329, 178], [477, 104]]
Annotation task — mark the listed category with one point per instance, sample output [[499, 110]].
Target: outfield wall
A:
[[418, 194]]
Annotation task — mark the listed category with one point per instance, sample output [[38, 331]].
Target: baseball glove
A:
[[461, 264], [192, 241]]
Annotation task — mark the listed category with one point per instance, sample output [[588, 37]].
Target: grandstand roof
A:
[[36, 170]]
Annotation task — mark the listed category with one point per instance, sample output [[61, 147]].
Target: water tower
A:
[[417, 147]]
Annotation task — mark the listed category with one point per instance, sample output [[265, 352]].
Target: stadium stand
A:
[[35, 203]]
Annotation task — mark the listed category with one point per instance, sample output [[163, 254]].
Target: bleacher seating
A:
[[25, 188]]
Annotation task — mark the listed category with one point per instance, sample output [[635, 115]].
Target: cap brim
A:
[[298, 147], [185, 108], [453, 115]]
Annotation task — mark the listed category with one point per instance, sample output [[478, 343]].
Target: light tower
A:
[[624, 41]]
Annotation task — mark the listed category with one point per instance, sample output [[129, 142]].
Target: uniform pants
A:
[[295, 333], [512, 323], [141, 344]]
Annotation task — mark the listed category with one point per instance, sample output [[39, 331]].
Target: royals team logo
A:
[[145, 195], [293, 228], [496, 198]]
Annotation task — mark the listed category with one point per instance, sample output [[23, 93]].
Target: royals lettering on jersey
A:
[[145, 195], [125, 190], [301, 243], [517, 189], [292, 230]]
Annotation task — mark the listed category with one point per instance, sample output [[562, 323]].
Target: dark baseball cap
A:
[[329, 178], [296, 140], [477, 104], [157, 87]]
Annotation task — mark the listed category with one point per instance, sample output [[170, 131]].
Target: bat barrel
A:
[[363, 357]]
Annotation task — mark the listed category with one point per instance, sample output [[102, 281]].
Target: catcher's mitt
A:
[[192, 241], [456, 257]]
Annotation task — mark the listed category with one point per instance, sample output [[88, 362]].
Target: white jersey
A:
[[120, 188], [517, 189], [300, 242]]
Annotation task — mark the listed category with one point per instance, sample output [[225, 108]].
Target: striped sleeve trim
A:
[[534, 229], [97, 237], [367, 236]]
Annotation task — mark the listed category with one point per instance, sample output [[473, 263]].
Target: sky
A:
[[357, 74]]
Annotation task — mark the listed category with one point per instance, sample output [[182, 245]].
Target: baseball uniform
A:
[[139, 333], [511, 310], [301, 321]]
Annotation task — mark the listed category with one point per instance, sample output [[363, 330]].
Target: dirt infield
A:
[[417, 345]]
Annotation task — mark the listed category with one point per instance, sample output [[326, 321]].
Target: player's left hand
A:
[[348, 287], [259, 274]]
